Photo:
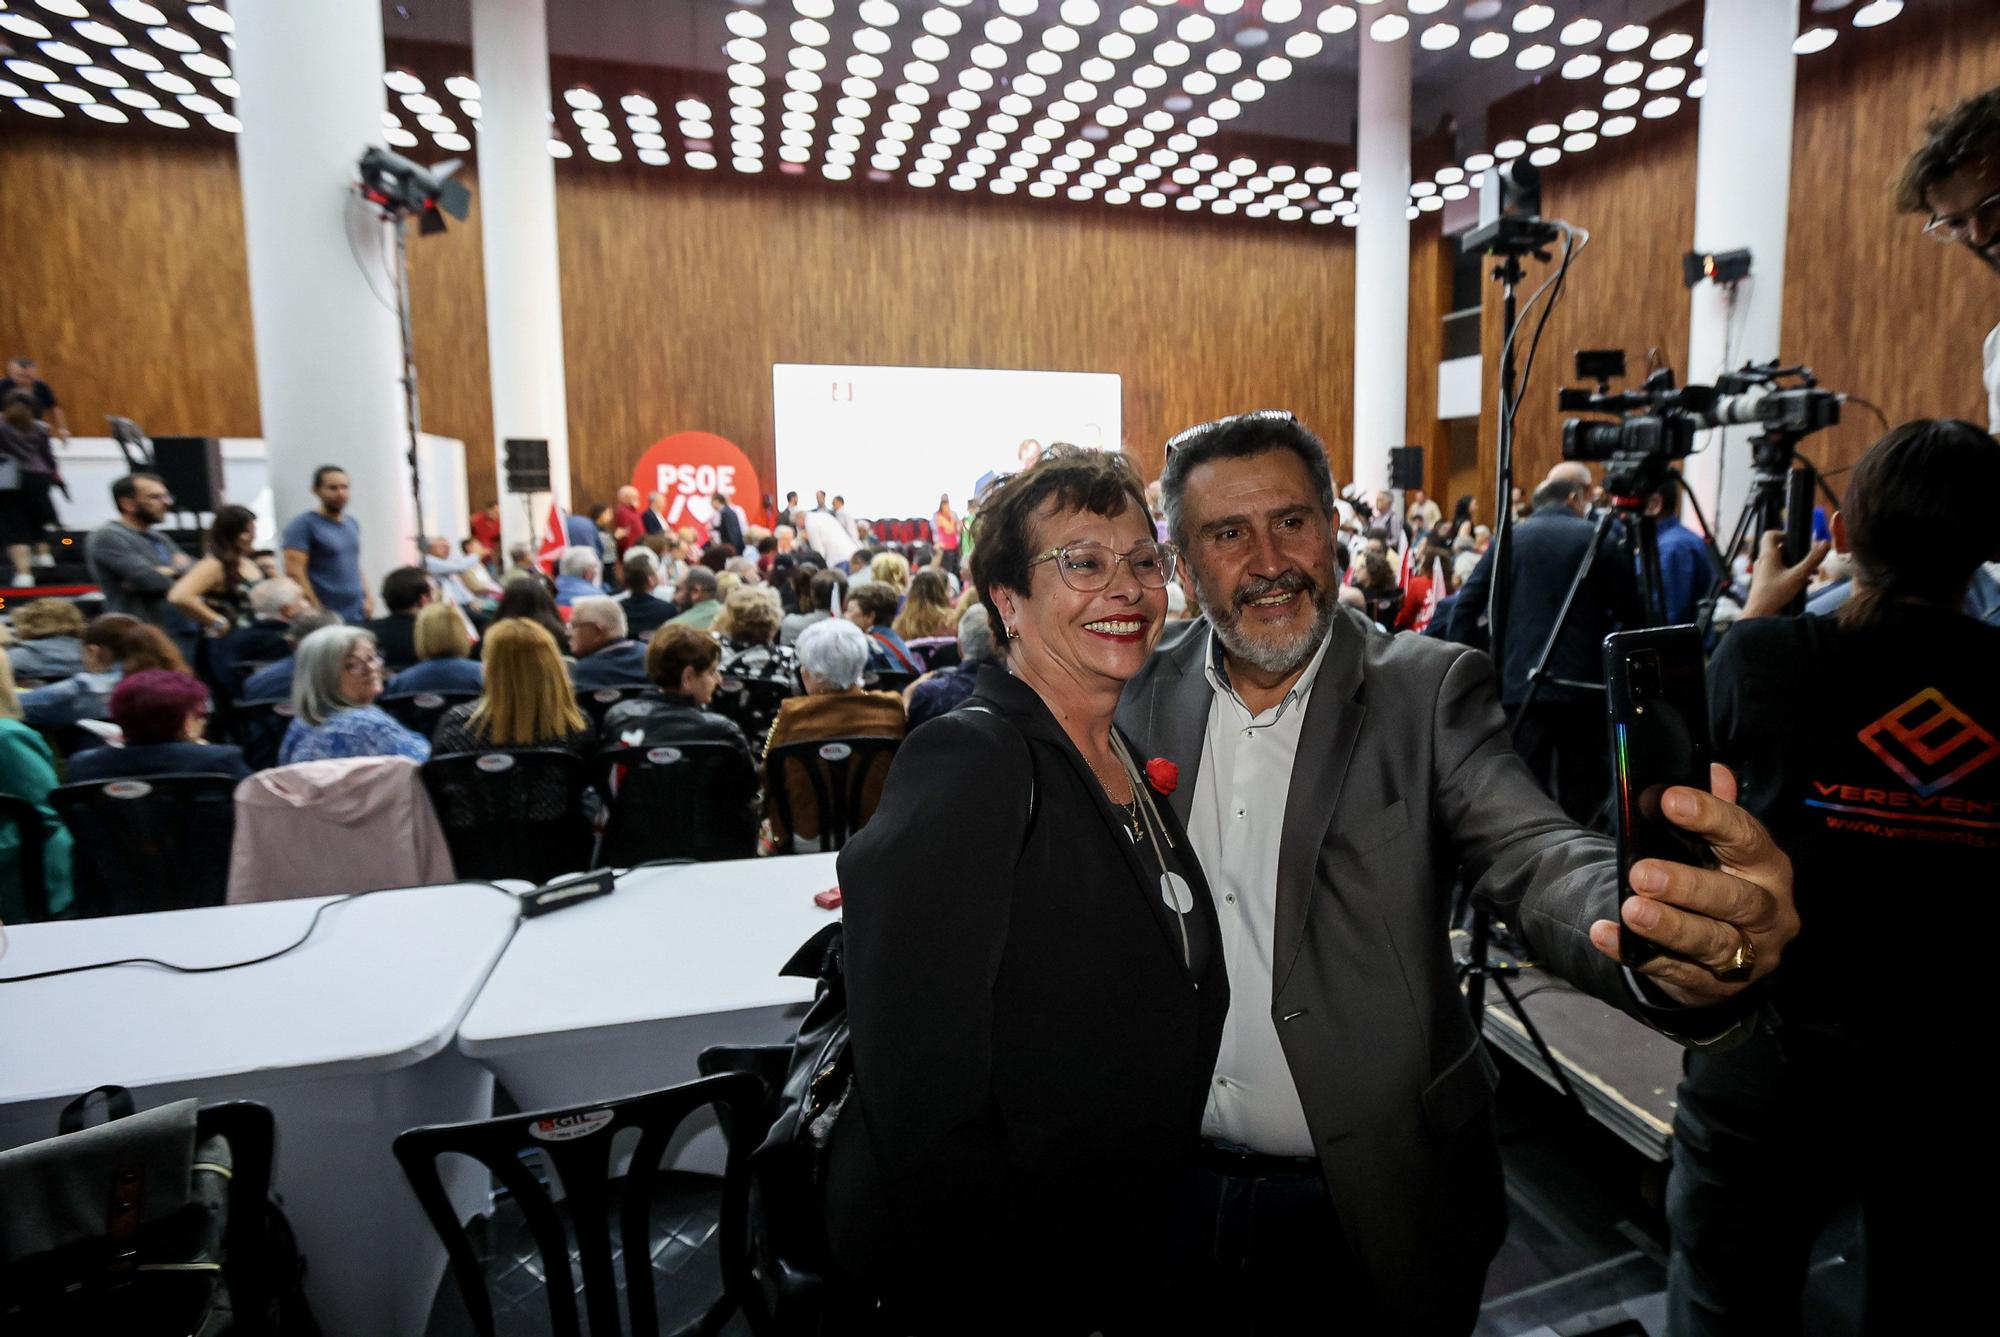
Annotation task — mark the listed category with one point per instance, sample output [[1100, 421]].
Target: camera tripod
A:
[[1781, 498]]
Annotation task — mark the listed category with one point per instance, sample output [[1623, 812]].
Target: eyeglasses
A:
[[1957, 227], [1089, 567], [1185, 435]]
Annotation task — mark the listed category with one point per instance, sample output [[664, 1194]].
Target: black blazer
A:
[[1032, 1054]]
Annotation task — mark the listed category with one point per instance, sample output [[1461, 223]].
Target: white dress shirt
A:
[[1235, 821], [1992, 377]]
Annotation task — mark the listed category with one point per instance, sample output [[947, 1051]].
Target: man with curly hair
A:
[[1954, 180]]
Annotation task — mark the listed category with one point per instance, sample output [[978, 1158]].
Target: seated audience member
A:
[[833, 657], [334, 715], [213, 594], [686, 665], [745, 569], [749, 617], [860, 567], [605, 655], [528, 596], [455, 574], [1838, 729], [528, 701], [273, 682], [645, 611], [716, 557], [114, 645], [767, 553], [927, 610], [579, 574], [1377, 583], [697, 599], [817, 595], [891, 569], [872, 607], [28, 771], [405, 593], [274, 602], [935, 693], [444, 656], [48, 640], [163, 715]]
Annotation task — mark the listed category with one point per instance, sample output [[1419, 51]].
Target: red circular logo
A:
[[689, 468]]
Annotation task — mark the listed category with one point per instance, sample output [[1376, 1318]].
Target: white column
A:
[[322, 284], [1743, 177], [1382, 260], [517, 202]]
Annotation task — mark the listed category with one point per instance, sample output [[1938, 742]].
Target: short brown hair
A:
[[1967, 134], [1101, 482], [877, 600], [677, 647], [47, 617], [134, 645]]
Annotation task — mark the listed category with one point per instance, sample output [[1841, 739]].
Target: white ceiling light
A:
[[1224, 109], [1279, 11], [1202, 126], [1580, 143], [1672, 47], [423, 104], [1335, 19], [459, 86], [1201, 83], [136, 59], [878, 13], [1618, 99], [1619, 125], [605, 152], [977, 80], [1536, 57], [452, 142], [1439, 37], [1488, 45], [596, 134], [90, 30], [82, 96], [1508, 149], [1098, 70], [226, 123], [583, 99], [697, 130], [1272, 69], [1389, 28], [42, 74], [1195, 28], [69, 9], [932, 49], [807, 32], [807, 58], [1583, 66], [1479, 162], [1580, 120], [212, 16], [1116, 46], [1044, 63], [742, 23], [559, 150], [873, 41], [398, 81], [139, 11], [864, 67], [172, 39], [437, 125], [23, 26], [135, 97], [1623, 72], [173, 120], [1813, 40], [1246, 90], [1138, 20], [1252, 37], [1420, 189], [1533, 18], [1546, 157], [1004, 31], [394, 137], [1877, 12], [34, 106], [1698, 88], [1544, 133], [1667, 76], [942, 23], [1079, 13], [1224, 61], [71, 54], [1129, 98], [1222, 6], [1581, 32], [1630, 37], [748, 76], [1171, 54], [746, 97], [1660, 108], [1304, 45], [170, 83]]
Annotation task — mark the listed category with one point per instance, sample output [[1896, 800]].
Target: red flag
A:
[[555, 537], [1432, 596]]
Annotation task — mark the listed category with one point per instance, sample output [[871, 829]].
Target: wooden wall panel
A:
[[1431, 254]]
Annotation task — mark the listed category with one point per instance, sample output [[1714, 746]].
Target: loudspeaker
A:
[[1406, 468], [527, 465], [191, 467]]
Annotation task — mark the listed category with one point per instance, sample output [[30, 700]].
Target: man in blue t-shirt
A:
[[323, 549]]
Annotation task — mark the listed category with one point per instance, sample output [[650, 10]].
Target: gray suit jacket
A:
[[1405, 779]]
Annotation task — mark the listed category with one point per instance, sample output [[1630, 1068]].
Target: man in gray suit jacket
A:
[[1334, 782]]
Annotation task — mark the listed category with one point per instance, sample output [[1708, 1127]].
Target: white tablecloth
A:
[[621, 994], [347, 1039]]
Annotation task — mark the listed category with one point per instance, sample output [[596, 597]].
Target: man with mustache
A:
[[1334, 781], [1954, 179]]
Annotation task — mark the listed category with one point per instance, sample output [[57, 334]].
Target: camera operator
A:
[[1954, 179], [1561, 734], [1866, 743], [1686, 572]]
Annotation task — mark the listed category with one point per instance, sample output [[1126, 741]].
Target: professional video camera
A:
[[1656, 423]]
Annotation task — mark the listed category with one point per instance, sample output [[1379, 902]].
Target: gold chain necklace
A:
[[1129, 810]]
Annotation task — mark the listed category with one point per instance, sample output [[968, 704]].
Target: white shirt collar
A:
[[1212, 666]]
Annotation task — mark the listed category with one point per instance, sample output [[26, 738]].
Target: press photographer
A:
[[1867, 743]]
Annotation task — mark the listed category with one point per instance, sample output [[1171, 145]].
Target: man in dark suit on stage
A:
[[1334, 782], [726, 526]]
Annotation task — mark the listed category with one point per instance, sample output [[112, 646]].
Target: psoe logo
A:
[[1930, 742]]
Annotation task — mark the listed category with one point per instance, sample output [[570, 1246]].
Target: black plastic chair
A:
[[157, 843], [886, 680], [33, 833], [419, 712], [838, 770], [597, 701], [936, 652], [754, 688], [671, 1225], [513, 812], [677, 801], [258, 727]]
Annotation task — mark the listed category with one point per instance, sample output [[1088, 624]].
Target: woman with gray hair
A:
[[833, 658], [334, 686]]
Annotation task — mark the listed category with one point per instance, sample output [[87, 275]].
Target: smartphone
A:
[[1656, 697]]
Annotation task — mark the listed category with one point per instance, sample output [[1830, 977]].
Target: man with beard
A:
[[1334, 781]]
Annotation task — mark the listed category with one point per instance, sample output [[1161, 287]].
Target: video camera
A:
[[1656, 423]]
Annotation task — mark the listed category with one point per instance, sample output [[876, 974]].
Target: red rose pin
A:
[[1163, 775]]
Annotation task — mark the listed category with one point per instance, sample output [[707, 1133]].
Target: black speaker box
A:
[[527, 465], [191, 467], [1406, 468]]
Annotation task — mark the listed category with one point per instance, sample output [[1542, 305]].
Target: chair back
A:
[[887, 680], [597, 701], [512, 812], [574, 1237], [677, 801], [158, 843], [936, 652], [755, 684], [838, 771], [26, 819], [419, 712], [258, 727]]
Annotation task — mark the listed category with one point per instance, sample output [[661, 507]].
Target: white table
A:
[[347, 1040], [621, 994]]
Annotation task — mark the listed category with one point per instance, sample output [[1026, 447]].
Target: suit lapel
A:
[[1177, 716], [1326, 743]]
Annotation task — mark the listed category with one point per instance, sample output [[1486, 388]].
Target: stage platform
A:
[[1624, 1073]]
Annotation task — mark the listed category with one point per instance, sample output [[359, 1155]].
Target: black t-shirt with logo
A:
[[1873, 755]]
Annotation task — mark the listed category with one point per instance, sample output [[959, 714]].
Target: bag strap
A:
[[117, 1105], [1012, 728]]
